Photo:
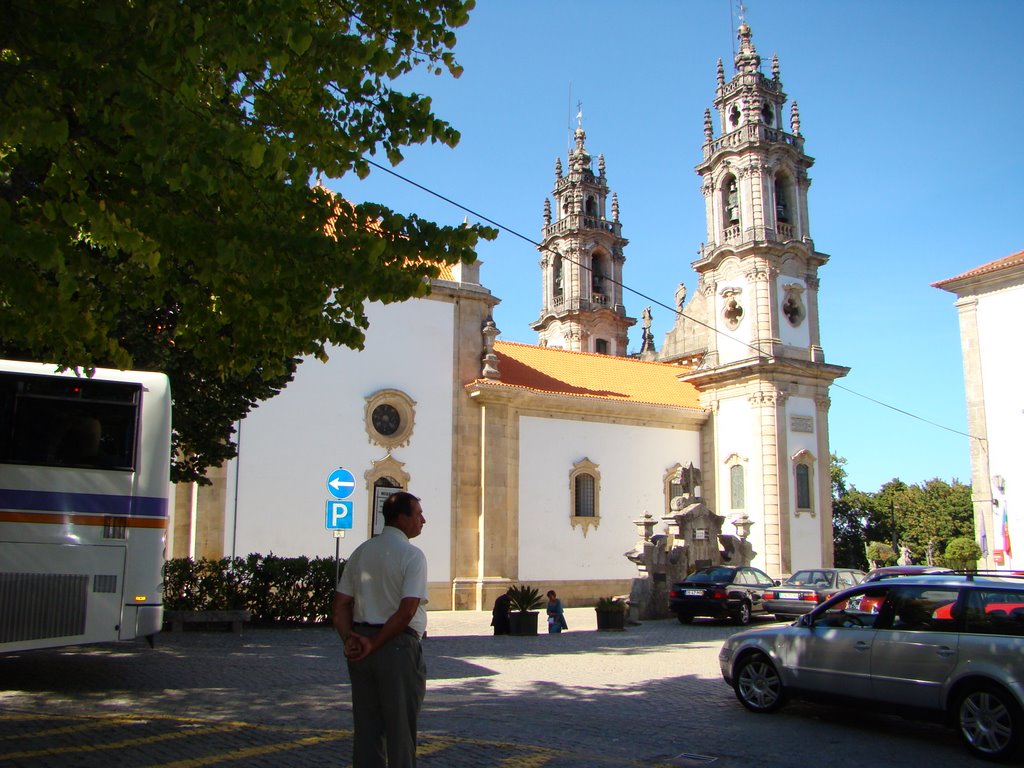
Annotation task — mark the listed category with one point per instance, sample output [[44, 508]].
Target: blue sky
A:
[[912, 110]]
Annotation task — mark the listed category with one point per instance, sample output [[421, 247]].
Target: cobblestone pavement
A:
[[650, 696]]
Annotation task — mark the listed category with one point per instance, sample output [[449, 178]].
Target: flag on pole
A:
[[1006, 532]]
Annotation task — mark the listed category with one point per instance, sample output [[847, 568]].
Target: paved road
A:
[[649, 696]]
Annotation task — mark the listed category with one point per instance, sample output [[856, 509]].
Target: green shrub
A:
[[524, 598], [962, 553], [273, 589]]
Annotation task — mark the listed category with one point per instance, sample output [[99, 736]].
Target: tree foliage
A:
[[962, 553], [155, 200], [923, 518]]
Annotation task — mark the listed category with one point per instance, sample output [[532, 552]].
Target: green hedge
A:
[[273, 589]]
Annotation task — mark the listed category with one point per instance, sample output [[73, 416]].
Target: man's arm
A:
[[341, 617], [394, 626]]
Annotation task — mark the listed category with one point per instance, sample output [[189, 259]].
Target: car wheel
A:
[[757, 684], [990, 721], [684, 618], [742, 614]]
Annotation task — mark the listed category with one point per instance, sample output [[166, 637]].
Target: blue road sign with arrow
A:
[[341, 483]]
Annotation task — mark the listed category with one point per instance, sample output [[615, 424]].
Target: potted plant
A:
[[611, 614], [522, 602]]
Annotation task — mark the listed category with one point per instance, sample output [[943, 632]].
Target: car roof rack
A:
[[970, 574]]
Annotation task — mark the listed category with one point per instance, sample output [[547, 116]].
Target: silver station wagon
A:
[[948, 646]]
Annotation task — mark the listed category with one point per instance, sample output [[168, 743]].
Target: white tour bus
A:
[[84, 492]]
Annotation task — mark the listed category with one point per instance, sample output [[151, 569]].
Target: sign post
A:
[[340, 484]]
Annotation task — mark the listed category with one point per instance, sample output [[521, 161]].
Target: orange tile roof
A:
[[558, 371], [1013, 260]]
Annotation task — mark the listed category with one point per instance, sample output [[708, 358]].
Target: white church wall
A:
[[736, 441], [733, 343], [1002, 372], [632, 462], [789, 335], [289, 444], [805, 529]]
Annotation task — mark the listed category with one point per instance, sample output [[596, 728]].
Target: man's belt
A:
[[407, 630]]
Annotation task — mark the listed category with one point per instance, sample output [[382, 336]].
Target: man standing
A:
[[378, 612]]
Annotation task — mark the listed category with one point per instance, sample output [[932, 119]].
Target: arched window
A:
[[585, 495], [731, 201], [591, 209], [596, 275], [583, 504], [673, 488], [557, 277], [781, 200], [737, 481], [737, 487], [803, 482]]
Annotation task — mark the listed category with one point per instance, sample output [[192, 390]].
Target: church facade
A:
[[537, 463]]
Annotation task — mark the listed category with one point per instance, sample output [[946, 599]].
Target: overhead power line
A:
[[673, 310]]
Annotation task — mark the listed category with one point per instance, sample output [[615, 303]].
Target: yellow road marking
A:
[[116, 744], [241, 754], [61, 730]]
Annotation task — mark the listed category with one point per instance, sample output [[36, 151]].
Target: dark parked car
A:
[[949, 646], [801, 592], [721, 591]]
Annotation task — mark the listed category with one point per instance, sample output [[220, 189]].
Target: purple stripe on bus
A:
[[86, 503]]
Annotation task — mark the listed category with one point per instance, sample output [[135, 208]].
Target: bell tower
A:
[[581, 261], [759, 361]]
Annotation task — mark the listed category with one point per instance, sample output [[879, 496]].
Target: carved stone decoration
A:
[[490, 332], [758, 273], [390, 415], [794, 119], [708, 131], [558, 167], [732, 311], [763, 399], [793, 304], [547, 212]]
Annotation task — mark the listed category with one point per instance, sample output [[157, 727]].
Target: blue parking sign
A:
[[339, 515]]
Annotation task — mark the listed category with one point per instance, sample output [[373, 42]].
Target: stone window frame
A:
[[585, 467], [736, 462], [670, 478], [388, 469], [406, 408], [803, 471]]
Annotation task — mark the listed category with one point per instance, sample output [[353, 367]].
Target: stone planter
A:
[[522, 623], [611, 620]]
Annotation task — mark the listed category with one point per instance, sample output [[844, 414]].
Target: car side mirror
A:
[[805, 621]]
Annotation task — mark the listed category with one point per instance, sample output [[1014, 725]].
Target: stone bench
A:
[[233, 620]]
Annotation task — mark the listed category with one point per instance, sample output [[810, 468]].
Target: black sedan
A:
[[801, 592], [721, 591]]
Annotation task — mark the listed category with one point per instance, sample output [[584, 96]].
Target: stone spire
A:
[[747, 60]]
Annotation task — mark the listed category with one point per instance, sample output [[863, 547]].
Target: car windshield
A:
[[711, 574], [810, 579]]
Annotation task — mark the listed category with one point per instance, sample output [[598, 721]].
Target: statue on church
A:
[[680, 296]]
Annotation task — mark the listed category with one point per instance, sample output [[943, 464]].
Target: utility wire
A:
[[642, 295]]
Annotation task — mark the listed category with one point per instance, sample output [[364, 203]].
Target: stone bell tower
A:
[[752, 328], [581, 261]]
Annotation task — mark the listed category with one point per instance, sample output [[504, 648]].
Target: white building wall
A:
[[792, 336], [291, 443], [1002, 370], [805, 530], [736, 436], [632, 462]]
